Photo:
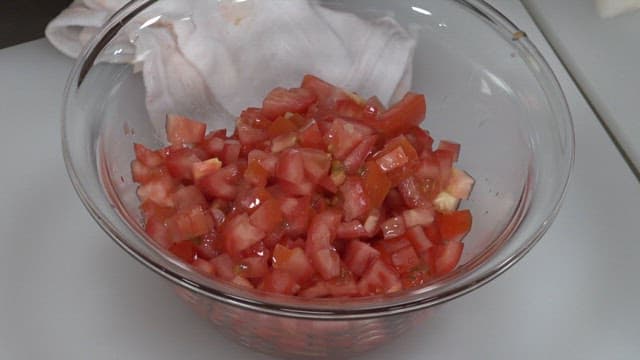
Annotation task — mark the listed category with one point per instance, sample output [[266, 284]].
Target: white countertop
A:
[[68, 292]]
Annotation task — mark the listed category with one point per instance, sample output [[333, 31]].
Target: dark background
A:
[[24, 20]]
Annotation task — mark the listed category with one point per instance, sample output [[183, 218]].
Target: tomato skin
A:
[[279, 282], [359, 256], [379, 278], [221, 184], [239, 234], [294, 261], [408, 112], [452, 147], [147, 156], [376, 184], [322, 231], [447, 256], [268, 217], [311, 137]]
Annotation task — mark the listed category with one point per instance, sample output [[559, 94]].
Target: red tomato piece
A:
[[316, 164], [359, 256], [445, 159], [419, 239], [311, 137], [419, 139], [376, 184], [150, 208], [279, 282], [248, 134], [210, 246], [281, 126], [355, 200], [184, 250], [392, 160], [256, 174], [412, 193], [379, 278], [344, 136], [452, 147], [268, 217], [158, 190], [255, 118], [294, 261], [317, 290], [142, 174], [267, 160], [296, 213], [454, 225], [356, 158], [223, 266], [147, 156], [230, 152], [447, 256], [189, 197], [326, 262], [157, 230], [253, 267], [222, 183], [280, 101], [304, 188], [405, 114], [190, 224], [251, 199], [322, 231], [180, 163], [351, 230], [393, 227], [204, 267], [239, 234], [182, 130], [291, 166], [213, 143], [405, 259], [204, 168], [418, 217], [321, 88], [283, 142]]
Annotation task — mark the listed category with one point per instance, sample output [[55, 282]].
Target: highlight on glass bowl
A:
[[316, 176]]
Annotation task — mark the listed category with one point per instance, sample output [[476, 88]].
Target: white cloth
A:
[[203, 58], [611, 8]]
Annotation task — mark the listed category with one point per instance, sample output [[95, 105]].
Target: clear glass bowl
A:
[[487, 87]]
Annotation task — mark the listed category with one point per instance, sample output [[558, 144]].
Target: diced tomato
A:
[[319, 193], [393, 227], [147, 156], [157, 190], [253, 267], [296, 213], [376, 184], [204, 168], [280, 101], [222, 183], [311, 137], [157, 229], [184, 250], [204, 267], [447, 256], [281, 126], [213, 143], [267, 160], [355, 200], [182, 130], [209, 246], [316, 163], [344, 136], [279, 282], [189, 197], [405, 259], [239, 234], [418, 217], [452, 147], [445, 159], [326, 262], [379, 278], [419, 239], [180, 163], [190, 224], [455, 225], [351, 230], [223, 265], [359, 256], [356, 158], [283, 142], [405, 114], [460, 184], [294, 261], [321, 232], [256, 174], [268, 217]]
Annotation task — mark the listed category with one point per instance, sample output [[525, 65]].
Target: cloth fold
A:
[[212, 58]]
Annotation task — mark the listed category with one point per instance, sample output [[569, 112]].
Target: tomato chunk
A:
[[182, 130]]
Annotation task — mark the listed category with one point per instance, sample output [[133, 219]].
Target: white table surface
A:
[[604, 57], [68, 292]]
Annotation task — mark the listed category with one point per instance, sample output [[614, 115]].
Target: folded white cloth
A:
[[203, 58], [611, 8]]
